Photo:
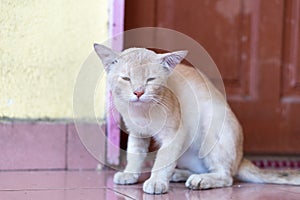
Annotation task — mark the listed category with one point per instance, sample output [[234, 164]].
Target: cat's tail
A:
[[248, 172]]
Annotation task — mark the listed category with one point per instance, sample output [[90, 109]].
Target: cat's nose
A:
[[138, 93]]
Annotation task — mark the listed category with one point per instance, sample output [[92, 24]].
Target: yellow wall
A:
[[42, 46]]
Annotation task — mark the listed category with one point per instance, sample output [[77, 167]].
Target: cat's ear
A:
[[107, 55], [170, 60]]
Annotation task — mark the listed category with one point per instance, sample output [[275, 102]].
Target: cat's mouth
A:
[[139, 101]]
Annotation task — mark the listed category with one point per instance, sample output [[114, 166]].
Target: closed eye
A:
[[114, 62], [125, 78], [150, 79]]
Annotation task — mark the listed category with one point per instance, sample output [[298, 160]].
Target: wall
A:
[[42, 46]]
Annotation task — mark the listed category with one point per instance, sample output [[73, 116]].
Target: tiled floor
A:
[[91, 185]]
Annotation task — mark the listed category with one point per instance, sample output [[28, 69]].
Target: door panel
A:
[[290, 88], [255, 45], [217, 30], [291, 62]]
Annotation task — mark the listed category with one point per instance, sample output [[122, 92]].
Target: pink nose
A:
[[139, 93]]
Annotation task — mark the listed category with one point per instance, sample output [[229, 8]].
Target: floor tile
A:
[[55, 180], [262, 191], [31, 180], [73, 185], [70, 194], [238, 191]]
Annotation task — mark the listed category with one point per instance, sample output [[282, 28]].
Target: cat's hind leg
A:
[[208, 180], [221, 152], [180, 175], [220, 164]]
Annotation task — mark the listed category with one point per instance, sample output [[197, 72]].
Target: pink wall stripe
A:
[[116, 26], [116, 23]]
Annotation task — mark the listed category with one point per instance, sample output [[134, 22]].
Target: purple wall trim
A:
[[116, 26], [116, 22]]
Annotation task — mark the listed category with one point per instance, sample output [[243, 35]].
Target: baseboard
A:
[[56, 146], [276, 162], [42, 146]]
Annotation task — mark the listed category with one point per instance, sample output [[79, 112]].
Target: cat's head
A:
[[138, 74]]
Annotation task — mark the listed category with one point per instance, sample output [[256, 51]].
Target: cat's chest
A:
[[146, 122]]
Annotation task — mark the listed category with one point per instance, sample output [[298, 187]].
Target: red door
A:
[[255, 45]]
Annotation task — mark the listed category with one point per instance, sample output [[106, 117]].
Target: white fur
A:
[[186, 114]]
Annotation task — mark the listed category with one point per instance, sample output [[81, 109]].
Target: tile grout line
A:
[[113, 190], [52, 189]]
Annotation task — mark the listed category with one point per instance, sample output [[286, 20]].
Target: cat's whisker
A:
[[161, 103]]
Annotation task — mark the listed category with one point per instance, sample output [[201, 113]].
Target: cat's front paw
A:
[[156, 186], [124, 178]]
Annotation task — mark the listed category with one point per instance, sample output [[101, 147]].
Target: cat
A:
[[200, 139]]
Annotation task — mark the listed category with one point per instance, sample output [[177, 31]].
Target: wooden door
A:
[[255, 44]]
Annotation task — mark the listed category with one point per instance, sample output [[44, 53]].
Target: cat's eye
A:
[[114, 62], [125, 78], [150, 79]]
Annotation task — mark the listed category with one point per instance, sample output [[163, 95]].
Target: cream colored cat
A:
[[200, 138]]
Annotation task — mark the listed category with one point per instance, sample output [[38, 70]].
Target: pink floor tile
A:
[[89, 179], [73, 185], [71, 194], [32, 146], [40, 180], [32, 180], [239, 191]]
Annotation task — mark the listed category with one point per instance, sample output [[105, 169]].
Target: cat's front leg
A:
[[164, 166], [137, 149]]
